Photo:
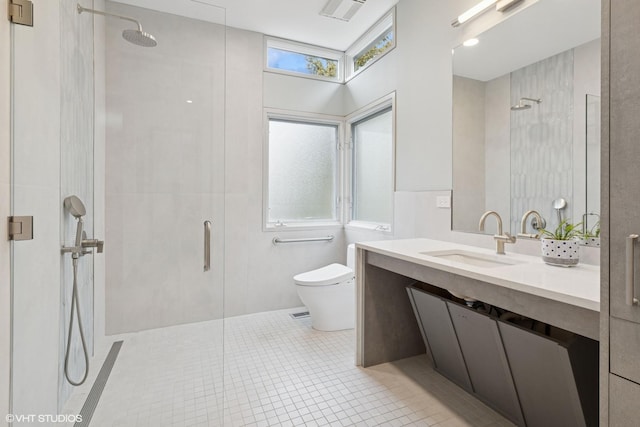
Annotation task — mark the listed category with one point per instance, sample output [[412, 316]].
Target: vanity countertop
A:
[[579, 285]]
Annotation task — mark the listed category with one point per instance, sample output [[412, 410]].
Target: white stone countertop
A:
[[579, 285]]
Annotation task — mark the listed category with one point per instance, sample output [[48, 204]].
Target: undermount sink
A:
[[473, 258]]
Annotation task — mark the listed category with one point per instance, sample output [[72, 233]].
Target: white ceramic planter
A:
[[590, 241], [564, 253]]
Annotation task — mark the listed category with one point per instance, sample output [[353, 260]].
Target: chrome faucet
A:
[[538, 223], [500, 238]]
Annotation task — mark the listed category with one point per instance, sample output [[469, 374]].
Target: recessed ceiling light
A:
[[189, 101], [471, 42]]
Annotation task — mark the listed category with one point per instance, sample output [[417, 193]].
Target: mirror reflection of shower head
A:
[[75, 206], [522, 105], [137, 37]]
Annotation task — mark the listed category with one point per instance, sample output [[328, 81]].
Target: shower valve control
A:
[[93, 243]]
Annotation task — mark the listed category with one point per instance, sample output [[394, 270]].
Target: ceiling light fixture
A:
[[484, 5], [470, 42], [341, 9]]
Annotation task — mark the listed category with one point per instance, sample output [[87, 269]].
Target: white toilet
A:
[[329, 294]]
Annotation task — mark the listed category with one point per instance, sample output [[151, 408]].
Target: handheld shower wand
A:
[[76, 208]]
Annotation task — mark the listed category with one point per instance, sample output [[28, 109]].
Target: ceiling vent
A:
[[341, 9]]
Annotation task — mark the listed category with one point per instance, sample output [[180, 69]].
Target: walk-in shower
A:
[[525, 103], [137, 37]]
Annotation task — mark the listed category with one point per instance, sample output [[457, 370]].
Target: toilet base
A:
[[332, 308]]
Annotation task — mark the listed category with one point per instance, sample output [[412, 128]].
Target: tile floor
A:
[[278, 372]]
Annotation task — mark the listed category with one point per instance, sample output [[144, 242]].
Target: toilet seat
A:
[[332, 274]]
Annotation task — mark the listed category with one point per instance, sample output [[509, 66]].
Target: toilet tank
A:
[[351, 256]]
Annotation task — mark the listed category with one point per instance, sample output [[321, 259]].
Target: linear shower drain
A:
[[300, 315], [98, 386]]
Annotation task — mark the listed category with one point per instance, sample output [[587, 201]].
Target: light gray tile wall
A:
[[99, 174], [76, 178], [469, 118], [542, 138], [586, 80], [165, 172], [497, 155]]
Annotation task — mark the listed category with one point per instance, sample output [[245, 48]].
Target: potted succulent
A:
[[592, 237], [562, 245]]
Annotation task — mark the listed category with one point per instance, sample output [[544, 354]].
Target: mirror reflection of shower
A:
[[137, 37], [525, 103]]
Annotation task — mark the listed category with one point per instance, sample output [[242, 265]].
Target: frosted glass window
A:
[[302, 171], [372, 178]]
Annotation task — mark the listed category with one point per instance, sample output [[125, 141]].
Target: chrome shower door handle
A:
[[630, 291], [207, 245]]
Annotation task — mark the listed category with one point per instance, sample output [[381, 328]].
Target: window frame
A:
[[310, 118], [304, 49], [381, 27], [368, 111]]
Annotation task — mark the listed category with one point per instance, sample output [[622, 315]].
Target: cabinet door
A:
[[543, 376], [486, 361], [624, 140], [433, 314], [624, 410]]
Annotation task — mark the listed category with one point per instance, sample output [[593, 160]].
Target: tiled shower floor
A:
[[278, 372]]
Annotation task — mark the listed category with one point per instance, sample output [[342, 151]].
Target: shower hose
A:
[[74, 303]]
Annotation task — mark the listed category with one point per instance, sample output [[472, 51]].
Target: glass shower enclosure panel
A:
[[137, 134], [164, 174]]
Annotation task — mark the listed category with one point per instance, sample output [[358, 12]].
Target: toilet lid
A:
[[329, 275]]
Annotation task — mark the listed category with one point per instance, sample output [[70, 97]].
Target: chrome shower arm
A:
[[98, 12]]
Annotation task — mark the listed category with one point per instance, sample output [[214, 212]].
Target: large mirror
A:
[[526, 118]]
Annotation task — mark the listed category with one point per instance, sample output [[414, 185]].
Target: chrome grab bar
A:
[[630, 274], [207, 245], [277, 240]]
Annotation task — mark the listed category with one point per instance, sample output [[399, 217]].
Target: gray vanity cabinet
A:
[[487, 364], [440, 336], [625, 410], [621, 211]]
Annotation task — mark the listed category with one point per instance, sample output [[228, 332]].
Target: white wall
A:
[[258, 274]]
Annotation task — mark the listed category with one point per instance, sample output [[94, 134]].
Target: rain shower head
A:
[[522, 105], [137, 37]]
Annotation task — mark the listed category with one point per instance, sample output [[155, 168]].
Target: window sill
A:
[[303, 226], [369, 226]]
